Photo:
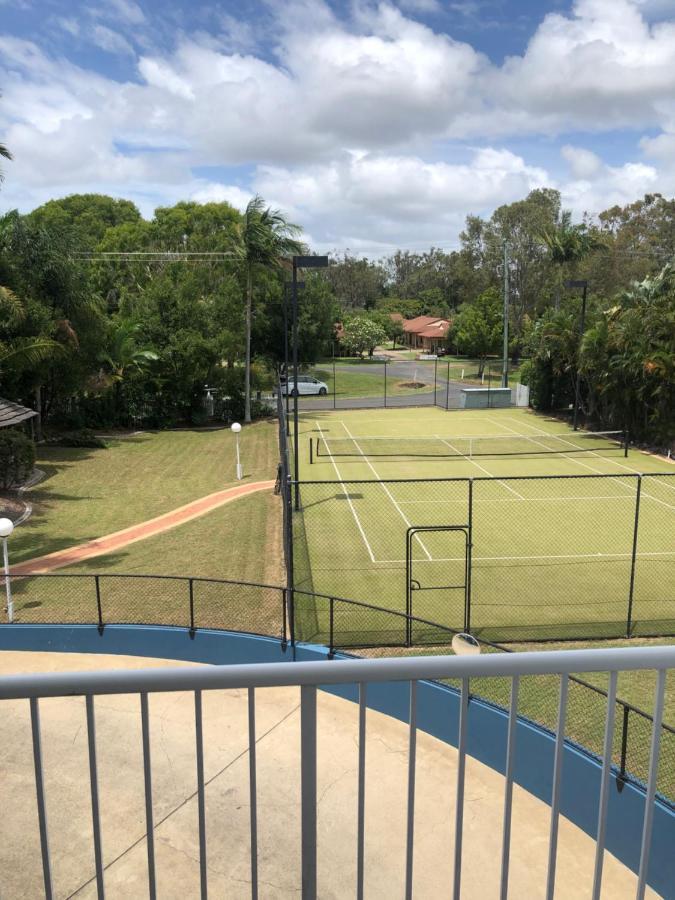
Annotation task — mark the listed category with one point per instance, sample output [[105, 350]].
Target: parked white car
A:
[[307, 384]]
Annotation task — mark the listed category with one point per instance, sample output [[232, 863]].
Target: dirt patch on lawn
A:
[[416, 385]]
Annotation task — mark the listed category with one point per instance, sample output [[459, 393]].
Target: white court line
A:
[[531, 499], [601, 556], [586, 466], [478, 465], [386, 490], [349, 499]]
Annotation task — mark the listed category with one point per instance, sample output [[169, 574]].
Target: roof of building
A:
[[13, 413], [437, 330], [419, 323]]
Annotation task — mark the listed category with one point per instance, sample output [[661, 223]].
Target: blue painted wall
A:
[[437, 714]]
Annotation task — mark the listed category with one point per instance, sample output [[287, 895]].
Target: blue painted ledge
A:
[[437, 714]]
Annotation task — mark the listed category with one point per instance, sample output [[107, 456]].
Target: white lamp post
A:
[[236, 428], [6, 528]]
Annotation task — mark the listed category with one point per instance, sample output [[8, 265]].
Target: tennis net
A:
[[448, 446]]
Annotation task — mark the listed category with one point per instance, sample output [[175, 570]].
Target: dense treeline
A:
[[96, 341]]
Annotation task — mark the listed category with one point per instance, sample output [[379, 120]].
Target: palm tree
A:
[[567, 245], [265, 237], [123, 355], [4, 152]]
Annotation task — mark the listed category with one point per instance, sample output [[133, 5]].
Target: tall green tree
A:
[[265, 238], [567, 245], [477, 329]]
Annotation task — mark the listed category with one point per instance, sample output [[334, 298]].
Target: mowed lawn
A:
[[90, 493]]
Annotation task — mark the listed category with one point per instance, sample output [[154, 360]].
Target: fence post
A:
[[469, 553], [621, 777], [290, 574], [631, 590], [192, 607], [98, 604], [284, 633], [447, 389], [435, 378], [331, 625]]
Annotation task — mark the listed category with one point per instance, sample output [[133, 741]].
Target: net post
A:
[[435, 377], [334, 383], [631, 590], [447, 389], [385, 385], [625, 443], [311, 455]]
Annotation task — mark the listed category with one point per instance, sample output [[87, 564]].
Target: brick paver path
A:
[[110, 542]]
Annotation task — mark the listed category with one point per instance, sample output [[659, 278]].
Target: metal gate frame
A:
[[412, 584]]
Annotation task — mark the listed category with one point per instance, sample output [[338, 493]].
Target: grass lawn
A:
[[89, 493]]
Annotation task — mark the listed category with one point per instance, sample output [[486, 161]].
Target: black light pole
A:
[[299, 262], [582, 325], [288, 424]]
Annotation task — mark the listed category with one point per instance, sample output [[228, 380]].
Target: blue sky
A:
[[371, 124]]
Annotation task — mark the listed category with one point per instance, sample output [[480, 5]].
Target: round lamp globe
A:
[[236, 427], [6, 527], [465, 645]]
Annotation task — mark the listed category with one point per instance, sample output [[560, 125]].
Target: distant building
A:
[[426, 333]]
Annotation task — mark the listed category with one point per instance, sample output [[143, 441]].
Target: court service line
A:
[[349, 499], [386, 490], [531, 499], [478, 465], [586, 465], [598, 556]]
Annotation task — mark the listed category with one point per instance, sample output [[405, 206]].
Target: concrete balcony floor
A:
[[227, 802]]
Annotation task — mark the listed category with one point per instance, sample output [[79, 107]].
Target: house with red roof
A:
[[426, 333]]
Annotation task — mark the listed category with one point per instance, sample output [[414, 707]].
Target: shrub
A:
[[84, 437], [17, 457]]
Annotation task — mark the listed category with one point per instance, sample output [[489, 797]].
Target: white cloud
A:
[[111, 41], [346, 124], [121, 10], [583, 163]]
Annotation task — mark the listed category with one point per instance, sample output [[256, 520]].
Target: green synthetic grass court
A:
[[550, 558]]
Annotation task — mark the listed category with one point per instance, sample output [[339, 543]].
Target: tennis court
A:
[[455, 516]]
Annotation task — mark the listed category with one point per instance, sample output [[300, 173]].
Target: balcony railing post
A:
[[99, 610], [308, 789]]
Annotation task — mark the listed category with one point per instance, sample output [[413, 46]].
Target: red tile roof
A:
[[416, 325], [438, 330]]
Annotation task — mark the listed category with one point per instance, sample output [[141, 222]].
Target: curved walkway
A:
[[118, 539]]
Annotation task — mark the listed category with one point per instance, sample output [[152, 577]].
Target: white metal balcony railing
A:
[[308, 676]]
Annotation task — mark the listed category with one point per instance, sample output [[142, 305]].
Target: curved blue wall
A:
[[437, 714]]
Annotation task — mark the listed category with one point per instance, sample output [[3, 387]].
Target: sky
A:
[[372, 125]]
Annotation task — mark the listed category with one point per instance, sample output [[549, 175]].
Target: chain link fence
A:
[[111, 599], [510, 559], [376, 383]]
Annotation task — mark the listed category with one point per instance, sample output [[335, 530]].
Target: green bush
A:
[[17, 457], [84, 437]]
